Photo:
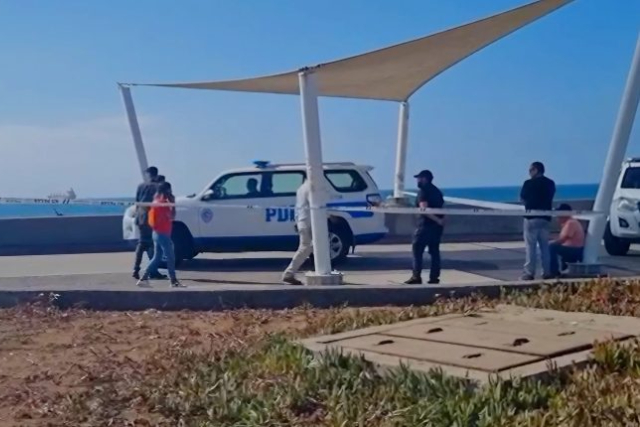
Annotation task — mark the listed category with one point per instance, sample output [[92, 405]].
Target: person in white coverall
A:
[[303, 226]]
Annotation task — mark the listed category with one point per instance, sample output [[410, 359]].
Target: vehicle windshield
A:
[[631, 178]]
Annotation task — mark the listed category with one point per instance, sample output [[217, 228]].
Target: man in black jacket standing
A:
[[429, 230], [537, 195], [145, 193]]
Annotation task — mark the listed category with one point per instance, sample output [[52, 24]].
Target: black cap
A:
[[564, 207], [152, 170], [425, 174], [164, 187]]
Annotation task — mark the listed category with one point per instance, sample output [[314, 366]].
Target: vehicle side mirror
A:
[[208, 195]]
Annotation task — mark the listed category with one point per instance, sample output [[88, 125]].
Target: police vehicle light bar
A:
[[261, 164]]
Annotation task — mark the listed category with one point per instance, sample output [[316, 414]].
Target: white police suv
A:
[[624, 216], [204, 224]]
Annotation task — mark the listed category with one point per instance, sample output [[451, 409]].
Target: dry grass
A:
[[80, 368]]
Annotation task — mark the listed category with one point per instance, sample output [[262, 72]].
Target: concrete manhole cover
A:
[[507, 341]]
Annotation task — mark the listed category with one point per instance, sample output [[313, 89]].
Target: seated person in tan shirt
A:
[[570, 243]]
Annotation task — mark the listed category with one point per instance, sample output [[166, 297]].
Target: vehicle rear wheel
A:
[[614, 245], [340, 241]]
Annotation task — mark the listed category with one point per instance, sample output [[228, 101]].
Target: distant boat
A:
[[68, 195]]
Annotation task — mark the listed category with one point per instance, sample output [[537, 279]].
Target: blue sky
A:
[[549, 92]]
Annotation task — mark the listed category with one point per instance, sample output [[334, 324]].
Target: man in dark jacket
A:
[[429, 230], [537, 195], [145, 193]]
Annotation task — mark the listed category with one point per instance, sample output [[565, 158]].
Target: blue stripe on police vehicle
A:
[[362, 204], [287, 214]]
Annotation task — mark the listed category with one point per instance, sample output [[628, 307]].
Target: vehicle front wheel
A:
[[614, 245], [182, 243]]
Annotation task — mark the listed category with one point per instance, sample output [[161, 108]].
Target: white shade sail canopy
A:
[[393, 73]]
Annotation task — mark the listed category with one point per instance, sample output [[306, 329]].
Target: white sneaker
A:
[[177, 284], [143, 283]]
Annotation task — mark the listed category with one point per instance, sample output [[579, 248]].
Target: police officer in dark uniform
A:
[[429, 230]]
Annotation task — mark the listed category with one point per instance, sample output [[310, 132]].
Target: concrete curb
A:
[[275, 298]]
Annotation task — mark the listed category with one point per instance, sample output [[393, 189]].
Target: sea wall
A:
[[470, 228], [85, 234], [57, 235]]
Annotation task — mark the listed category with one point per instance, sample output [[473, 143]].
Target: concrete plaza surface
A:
[[506, 341], [372, 276]]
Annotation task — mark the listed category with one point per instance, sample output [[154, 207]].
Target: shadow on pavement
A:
[[369, 263], [227, 282]]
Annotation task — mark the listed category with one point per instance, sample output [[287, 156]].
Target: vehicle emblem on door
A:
[[206, 215]]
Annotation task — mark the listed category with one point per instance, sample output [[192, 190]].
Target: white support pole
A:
[[615, 156], [401, 151], [315, 174], [135, 128]]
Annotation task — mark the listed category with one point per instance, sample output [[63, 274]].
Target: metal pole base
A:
[[332, 279], [579, 269]]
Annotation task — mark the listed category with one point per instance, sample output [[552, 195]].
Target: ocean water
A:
[[512, 194], [491, 194]]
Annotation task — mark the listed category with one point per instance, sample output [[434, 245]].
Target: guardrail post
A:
[[615, 156], [315, 174], [401, 152], [135, 128]]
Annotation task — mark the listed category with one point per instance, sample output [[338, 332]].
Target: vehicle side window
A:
[[631, 178], [286, 183], [346, 181], [239, 186]]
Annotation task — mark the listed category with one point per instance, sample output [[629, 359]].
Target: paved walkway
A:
[[463, 263], [376, 268]]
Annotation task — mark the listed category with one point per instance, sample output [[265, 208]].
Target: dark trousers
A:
[[564, 254], [427, 237], [145, 245]]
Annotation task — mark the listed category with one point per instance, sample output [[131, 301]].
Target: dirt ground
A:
[[85, 368], [56, 366]]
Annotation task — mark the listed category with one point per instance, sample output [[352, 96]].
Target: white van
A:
[[202, 224], [623, 228]]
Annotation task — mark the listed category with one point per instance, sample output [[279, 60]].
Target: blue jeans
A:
[[145, 244], [163, 245], [566, 254], [536, 234]]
